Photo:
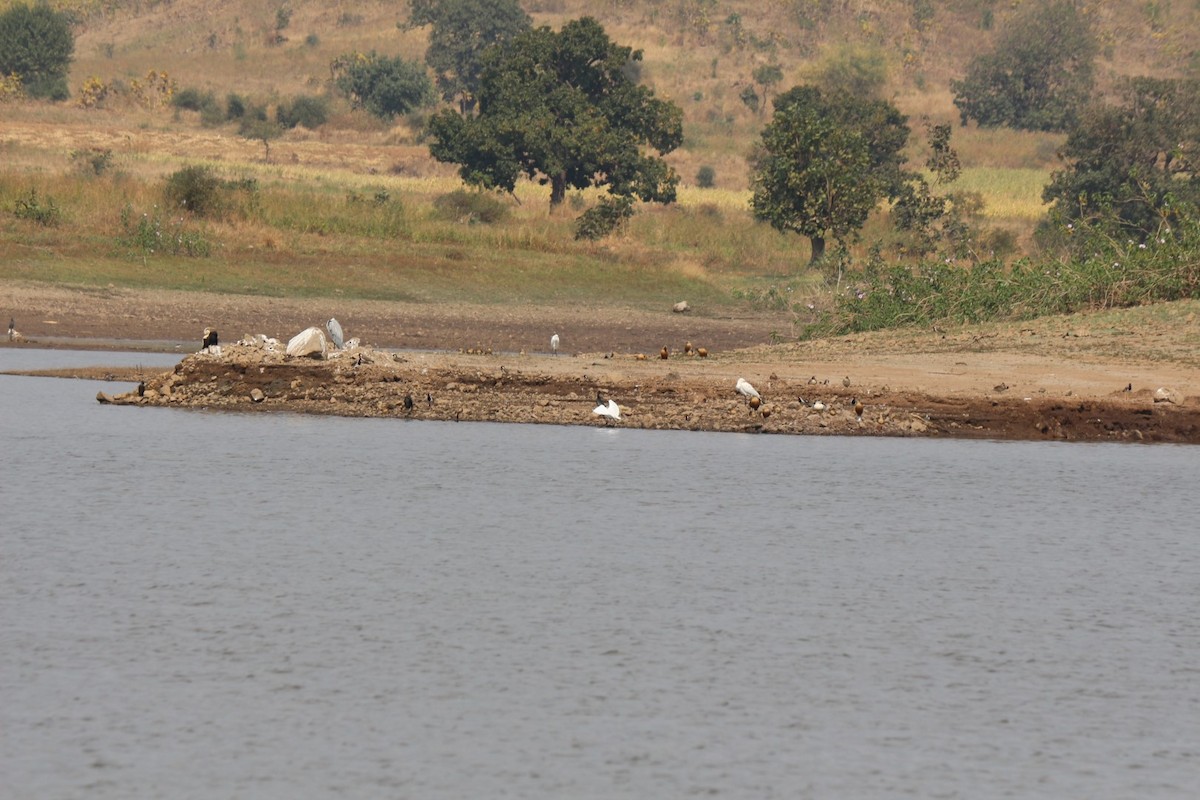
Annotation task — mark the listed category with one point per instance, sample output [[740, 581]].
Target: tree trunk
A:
[[558, 190], [818, 248]]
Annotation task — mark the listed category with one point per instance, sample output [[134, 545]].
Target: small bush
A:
[[235, 106], [43, 211], [305, 111], [604, 218], [706, 177], [470, 207], [192, 99], [94, 161], [195, 189]]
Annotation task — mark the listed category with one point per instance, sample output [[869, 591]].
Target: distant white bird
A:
[[554, 344], [819, 406], [611, 409], [335, 333], [744, 388]]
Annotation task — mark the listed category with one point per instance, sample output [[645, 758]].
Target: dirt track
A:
[[1065, 378]]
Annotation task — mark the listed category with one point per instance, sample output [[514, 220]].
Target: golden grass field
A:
[[317, 228]]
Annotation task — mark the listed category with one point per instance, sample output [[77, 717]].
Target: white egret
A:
[[743, 387], [610, 410], [554, 344]]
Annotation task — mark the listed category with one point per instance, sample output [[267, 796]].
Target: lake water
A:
[[200, 605]]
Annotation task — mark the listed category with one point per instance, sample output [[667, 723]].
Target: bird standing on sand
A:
[[335, 333], [12, 327], [858, 407], [846, 381], [702, 352], [664, 353], [408, 402], [554, 344], [744, 388]]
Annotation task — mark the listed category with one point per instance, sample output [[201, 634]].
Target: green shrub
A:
[[192, 99], [706, 177], [470, 207], [306, 111], [196, 189], [604, 218], [43, 211]]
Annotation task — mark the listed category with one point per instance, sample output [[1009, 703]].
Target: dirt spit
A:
[[683, 393]]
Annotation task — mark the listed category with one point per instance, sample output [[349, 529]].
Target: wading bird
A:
[[554, 344], [608, 410], [743, 387], [335, 333]]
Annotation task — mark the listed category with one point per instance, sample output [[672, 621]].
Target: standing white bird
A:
[[554, 344], [335, 333], [744, 388], [611, 409]]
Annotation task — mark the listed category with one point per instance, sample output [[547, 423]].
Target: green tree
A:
[[460, 31], [383, 86], [37, 45], [560, 108], [825, 161], [1135, 165], [1039, 76]]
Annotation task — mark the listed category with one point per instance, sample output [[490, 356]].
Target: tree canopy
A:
[[382, 85], [561, 109], [37, 45], [1136, 164], [825, 161], [460, 31], [1039, 76]]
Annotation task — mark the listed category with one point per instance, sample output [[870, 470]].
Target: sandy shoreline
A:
[[1066, 378]]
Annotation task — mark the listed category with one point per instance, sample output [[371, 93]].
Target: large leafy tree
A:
[[460, 30], [1040, 75], [562, 109], [825, 161], [1136, 164], [37, 45]]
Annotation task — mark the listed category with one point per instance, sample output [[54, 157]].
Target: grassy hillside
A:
[[349, 207]]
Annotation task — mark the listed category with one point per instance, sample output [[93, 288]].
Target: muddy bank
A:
[[682, 393]]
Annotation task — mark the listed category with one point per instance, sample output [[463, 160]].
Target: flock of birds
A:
[[607, 408]]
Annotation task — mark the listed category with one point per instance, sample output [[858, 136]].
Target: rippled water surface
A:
[[199, 605]]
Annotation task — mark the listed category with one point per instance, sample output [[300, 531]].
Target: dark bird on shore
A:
[[12, 326], [209, 340], [141, 389], [1129, 388], [408, 403], [664, 353], [429, 399]]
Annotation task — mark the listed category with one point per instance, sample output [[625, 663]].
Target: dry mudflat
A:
[[1089, 377]]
